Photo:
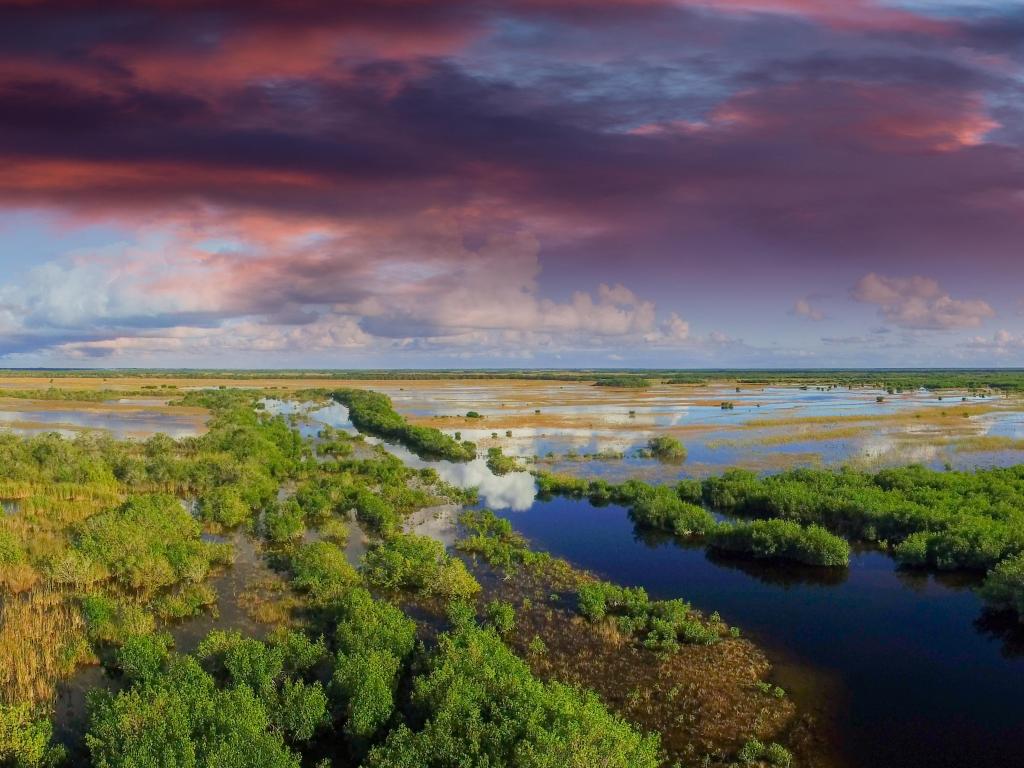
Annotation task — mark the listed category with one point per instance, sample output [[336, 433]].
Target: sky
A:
[[511, 183]]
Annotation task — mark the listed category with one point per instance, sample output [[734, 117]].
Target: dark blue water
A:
[[925, 680]]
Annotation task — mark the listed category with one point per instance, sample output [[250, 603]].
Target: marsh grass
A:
[[42, 640], [929, 414], [270, 601], [983, 443], [790, 437], [699, 698]]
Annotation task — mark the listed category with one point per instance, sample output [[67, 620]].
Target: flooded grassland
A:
[[582, 429], [865, 665], [122, 418]]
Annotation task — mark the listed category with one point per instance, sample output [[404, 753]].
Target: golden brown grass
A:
[[703, 700], [269, 601], [798, 436], [977, 443], [930, 414], [42, 639]]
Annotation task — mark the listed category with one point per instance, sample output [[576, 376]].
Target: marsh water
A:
[[138, 418], [767, 428], [901, 669], [904, 669]]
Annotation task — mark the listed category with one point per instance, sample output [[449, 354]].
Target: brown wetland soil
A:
[[702, 700]]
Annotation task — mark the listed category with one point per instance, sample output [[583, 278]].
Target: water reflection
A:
[[779, 574], [310, 417], [1006, 628], [565, 421], [122, 424], [515, 490], [925, 682]]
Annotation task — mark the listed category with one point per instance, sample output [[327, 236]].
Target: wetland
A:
[[710, 606]]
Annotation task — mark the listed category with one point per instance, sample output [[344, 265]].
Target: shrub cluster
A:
[[419, 564], [666, 448], [499, 463], [659, 624], [478, 704], [373, 413], [945, 520], [781, 540], [248, 708], [623, 382], [1004, 586]]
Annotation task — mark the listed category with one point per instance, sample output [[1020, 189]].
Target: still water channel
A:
[[905, 669]]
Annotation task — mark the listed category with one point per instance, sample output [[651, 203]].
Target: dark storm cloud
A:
[[675, 136]]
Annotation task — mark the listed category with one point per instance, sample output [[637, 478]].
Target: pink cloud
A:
[[919, 302], [848, 14], [803, 308]]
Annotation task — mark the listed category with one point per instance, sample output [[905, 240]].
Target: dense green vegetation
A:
[[781, 540], [659, 624], [477, 704], [372, 412], [353, 685], [1004, 586], [945, 520], [623, 382], [499, 463], [666, 448], [384, 662], [249, 707], [419, 564]]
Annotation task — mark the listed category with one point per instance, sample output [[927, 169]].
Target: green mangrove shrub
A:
[[372, 412], [478, 704], [781, 540]]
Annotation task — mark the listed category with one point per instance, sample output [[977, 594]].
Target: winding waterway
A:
[[903, 669]]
